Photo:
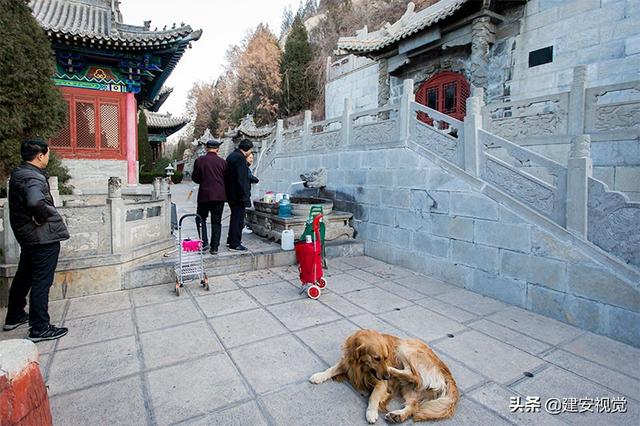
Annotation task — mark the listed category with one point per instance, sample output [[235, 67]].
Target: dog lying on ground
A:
[[388, 367]]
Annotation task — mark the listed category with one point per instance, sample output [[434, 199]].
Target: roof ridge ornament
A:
[[362, 33]]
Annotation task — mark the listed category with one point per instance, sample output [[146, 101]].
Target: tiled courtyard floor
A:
[[242, 353]]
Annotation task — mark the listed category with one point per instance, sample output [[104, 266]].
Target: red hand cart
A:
[[309, 256]]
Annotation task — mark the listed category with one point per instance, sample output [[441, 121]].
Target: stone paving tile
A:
[[253, 278], [542, 328], [102, 404], [287, 272], [245, 327], [399, 290], [612, 379], [339, 304], [472, 302], [362, 262], [556, 383], [273, 363], [509, 336], [497, 398], [370, 321], [247, 414], [339, 264], [305, 404], [496, 360], [389, 272], [344, 283], [184, 342], [56, 310], [377, 300], [609, 352], [153, 294], [97, 328], [278, 292], [43, 359], [422, 323], [464, 377], [446, 309], [217, 284], [326, 340], [162, 315], [472, 414], [365, 276], [303, 313], [100, 303], [226, 303], [92, 364], [426, 285], [194, 387]]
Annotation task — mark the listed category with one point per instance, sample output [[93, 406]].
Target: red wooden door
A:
[[445, 92]]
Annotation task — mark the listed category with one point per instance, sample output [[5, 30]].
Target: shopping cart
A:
[[190, 263], [309, 256]]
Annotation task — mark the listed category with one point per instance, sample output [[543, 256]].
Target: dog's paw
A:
[[372, 416], [393, 417], [318, 378]]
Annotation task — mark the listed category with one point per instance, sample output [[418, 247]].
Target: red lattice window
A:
[[446, 92], [95, 125]]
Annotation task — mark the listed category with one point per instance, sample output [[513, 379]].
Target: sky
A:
[[224, 23]]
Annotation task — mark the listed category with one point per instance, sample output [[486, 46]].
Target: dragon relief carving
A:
[[329, 140], [531, 125], [519, 186], [616, 117], [438, 143], [378, 133]]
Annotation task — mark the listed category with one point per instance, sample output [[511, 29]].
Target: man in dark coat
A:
[[39, 228], [209, 171], [238, 192]]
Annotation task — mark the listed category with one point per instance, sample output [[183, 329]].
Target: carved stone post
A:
[[164, 188], [10, 247], [577, 101], [306, 130], [473, 122], [55, 191], [346, 128], [405, 110], [279, 142], [115, 187], [579, 170], [482, 36], [156, 188]]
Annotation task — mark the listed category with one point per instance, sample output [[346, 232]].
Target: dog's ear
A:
[[360, 350]]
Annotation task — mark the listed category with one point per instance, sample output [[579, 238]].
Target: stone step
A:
[[161, 271]]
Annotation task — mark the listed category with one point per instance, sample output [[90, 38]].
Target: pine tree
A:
[[298, 83], [30, 104], [145, 156]]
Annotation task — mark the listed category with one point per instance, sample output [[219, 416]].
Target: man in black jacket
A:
[[39, 228], [209, 172], [238, 192]]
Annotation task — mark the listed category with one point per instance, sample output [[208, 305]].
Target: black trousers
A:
[[35, 272], [214, 208], [236, 223]]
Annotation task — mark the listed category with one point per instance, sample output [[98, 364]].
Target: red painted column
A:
[[131, 138]]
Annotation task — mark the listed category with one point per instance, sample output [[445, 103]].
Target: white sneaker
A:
[[246, 230]]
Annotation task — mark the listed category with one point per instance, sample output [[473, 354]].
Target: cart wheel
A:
[[322, 282], [313, 292], [177, 288]]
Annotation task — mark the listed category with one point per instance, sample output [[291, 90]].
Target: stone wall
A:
[[471, 236], [91, 176], [354, 78]]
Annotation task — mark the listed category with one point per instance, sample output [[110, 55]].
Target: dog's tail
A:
[[442, 407]]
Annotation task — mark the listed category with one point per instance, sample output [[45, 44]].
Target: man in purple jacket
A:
[[209, 171]]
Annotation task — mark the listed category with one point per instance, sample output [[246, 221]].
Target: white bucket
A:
[[279, 197], [286, 239]]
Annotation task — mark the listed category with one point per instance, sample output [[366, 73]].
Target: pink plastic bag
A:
[[191, 245]]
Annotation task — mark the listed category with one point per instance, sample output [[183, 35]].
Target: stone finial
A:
[[580, 146], [362, 33], [115, 187]]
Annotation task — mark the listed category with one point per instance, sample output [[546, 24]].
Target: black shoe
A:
[[214, 252], [205, 247], [15, 324], [51, 332], [239, 247]]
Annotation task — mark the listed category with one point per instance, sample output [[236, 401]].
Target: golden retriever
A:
[[388, 367]]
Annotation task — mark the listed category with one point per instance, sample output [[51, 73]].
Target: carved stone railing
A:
[[613, 222], [378, 126], [546, 197], [613, 109], [540, 116], [444, 136], [326, 134]]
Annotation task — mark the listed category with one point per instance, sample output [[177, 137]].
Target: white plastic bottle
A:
[[286, 239]]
